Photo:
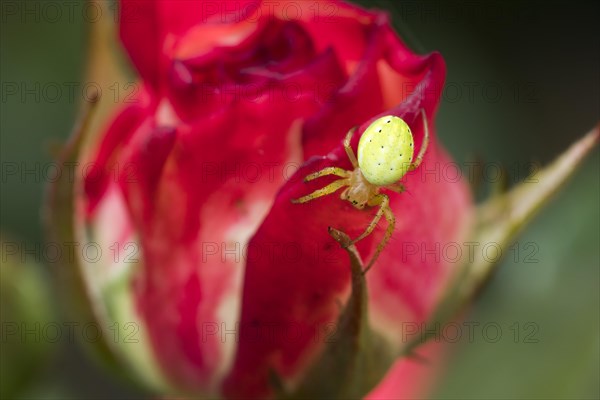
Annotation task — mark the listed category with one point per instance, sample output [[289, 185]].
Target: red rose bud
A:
[[190, 187]]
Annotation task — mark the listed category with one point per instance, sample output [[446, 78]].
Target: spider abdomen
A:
[[385, 150]]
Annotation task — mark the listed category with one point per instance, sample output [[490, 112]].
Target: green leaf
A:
[[26, 311]]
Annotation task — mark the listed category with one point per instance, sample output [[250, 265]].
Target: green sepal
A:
[[355, 359], [499, 220], [59, 221]]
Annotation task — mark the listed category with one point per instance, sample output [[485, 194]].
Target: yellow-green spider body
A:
[[385, 150], [385, 155]]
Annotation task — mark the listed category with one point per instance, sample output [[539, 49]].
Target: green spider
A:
[[385, 155]]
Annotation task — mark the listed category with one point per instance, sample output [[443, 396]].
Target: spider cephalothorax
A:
[[385, 155]]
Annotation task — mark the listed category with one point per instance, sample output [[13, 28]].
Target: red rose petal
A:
[[304, 292], [185, 195]]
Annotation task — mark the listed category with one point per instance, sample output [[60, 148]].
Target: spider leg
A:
[[379, 200], [344, 194], [327, 171], [332, 187], [348, 148], [396, 187], [391, 220], [424, 145]]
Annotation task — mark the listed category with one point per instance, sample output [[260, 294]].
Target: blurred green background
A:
[[523, 83]]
